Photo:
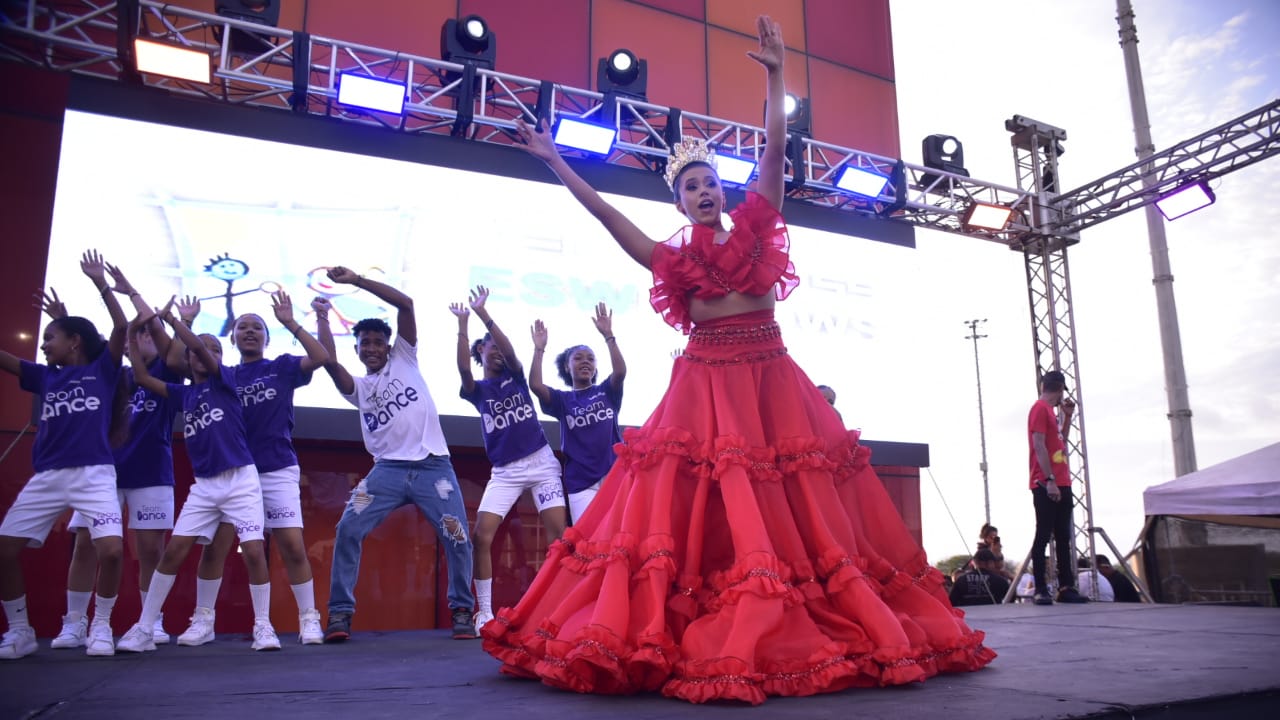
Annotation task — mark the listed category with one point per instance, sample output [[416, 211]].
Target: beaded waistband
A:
[[735, 334]]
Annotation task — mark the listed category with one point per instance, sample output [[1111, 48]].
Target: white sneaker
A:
[[18, 643], [309, 632], [483, 617], [158, 634], [100, 643], [72, 633], [201, 629], [137, 640], [264, 636]]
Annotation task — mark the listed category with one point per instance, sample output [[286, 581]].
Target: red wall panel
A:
[[852, 109], [740, 16], [674, 47], [544, 40], [851, 32]]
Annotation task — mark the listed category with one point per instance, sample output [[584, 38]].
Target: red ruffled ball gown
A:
[[741, 546]]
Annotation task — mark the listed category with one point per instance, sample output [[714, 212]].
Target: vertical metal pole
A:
[[982, 425], [1175, 375]]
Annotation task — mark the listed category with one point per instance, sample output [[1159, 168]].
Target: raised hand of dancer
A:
[[478, 297], [48, 302], [537, 141], [461, 311], [282, 306], [122, 284], [772, 52], [321, 306], [603, 320], [94, 267], [539, 334], [345, 275], [188, 308]]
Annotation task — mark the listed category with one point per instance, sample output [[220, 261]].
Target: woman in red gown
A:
[[741, 546]]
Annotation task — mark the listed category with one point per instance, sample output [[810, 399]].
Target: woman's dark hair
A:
[[562, 365], [675, 186], [987, 528], [93, 342], [476, 346]]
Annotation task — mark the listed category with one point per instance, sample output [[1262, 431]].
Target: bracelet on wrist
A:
[[610, 338], [488, 324]]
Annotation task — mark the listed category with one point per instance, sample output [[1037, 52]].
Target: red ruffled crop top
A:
[[753, 259]]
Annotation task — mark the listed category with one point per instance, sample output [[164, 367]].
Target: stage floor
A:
[[1098, 660]]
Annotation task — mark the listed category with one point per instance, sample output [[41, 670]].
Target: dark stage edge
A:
[[1094, 661]]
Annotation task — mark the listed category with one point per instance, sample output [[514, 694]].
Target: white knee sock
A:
[[78, 604], [305, 595], [161, 584], [484, 595], [16, 611], [261, 595], [206, 591], [102, 607]]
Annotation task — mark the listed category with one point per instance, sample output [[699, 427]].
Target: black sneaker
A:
[[464, 625], [1070, 595], [339, 628], [1043, 599]]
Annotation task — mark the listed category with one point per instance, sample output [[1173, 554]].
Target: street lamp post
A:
[[982, 425]]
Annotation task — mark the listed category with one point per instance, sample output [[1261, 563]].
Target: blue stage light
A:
[[371, 93], [734, 170], [583, 135], [862, 182]]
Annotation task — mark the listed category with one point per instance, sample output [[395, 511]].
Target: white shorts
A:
[[150, 508], [579, 501], [281, 499], [538, 473], [233, 496], [90, 490]]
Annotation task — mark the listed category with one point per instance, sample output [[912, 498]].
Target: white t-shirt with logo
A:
[[398, 418]]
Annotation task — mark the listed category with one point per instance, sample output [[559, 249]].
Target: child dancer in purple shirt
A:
[[588, 412], [226, 483], [522, 458], [266, 390], [144, 473], [72, 461]]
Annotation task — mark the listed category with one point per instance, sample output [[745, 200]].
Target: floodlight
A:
[[862, 182], [623, 73], [986, 216], [1185, 200], [159, 58], [734, 170], [262, 12], [582, 135], [371, 93], [797, 112], [468, 40]]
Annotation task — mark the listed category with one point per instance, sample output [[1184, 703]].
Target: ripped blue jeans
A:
[[431, 485]]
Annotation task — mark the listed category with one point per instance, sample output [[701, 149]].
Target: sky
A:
[[964, 68]]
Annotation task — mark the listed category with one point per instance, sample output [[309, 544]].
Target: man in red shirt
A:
[[1051, 488]]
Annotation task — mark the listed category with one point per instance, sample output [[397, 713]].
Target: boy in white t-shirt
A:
[[401, 429]]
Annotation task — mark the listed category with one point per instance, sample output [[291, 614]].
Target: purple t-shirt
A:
[[146, 459], [75, 412], [266, 390], [510, 424], [588, 430], [212, 425]]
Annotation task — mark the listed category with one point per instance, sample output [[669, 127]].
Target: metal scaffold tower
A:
[[294, 71]]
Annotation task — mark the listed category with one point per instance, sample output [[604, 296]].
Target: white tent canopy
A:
[[1245, 485]]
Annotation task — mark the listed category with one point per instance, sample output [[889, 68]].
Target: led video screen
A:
[[230, 218]]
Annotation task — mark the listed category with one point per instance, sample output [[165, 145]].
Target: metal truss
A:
[[268, 67], [1243, 141]]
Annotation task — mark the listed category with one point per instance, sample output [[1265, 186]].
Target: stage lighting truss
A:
[[297, 71]]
